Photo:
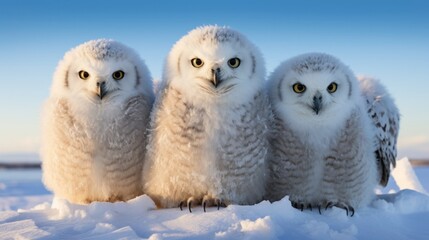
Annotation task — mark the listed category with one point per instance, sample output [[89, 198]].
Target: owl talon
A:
[[209, 202], [206, 200], [188, 203], [320, 212], [352, 211], [329, 205], [297, 205], [300, 206], [347, 208], [181, 205], [204, 206], [219, 203]]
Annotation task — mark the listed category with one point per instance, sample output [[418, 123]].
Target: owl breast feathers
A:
[[94, 128]]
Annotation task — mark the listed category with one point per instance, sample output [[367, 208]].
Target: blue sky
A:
[[386, 39]]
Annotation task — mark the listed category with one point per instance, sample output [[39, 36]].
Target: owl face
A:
[[217, 63], [314, 90], [100, 71], [316, 94], [101, 80]]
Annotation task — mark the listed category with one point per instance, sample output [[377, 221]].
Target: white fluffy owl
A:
[[208, 140], [94, 124], [334, 136]]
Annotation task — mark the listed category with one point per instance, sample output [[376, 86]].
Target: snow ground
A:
[[28, 211]]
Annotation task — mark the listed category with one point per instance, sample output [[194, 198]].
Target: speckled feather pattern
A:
[[385, 117], [317, 177]]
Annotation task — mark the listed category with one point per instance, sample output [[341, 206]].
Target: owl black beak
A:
[[216, 78], [317, 103], [101, 89]]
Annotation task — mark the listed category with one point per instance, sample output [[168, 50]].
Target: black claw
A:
[[347, 208], [309, 206], [329, 205], [298, 206], [220, 203], [320, 212], [180, 205], [190, 206], [352, 210], [204, 206]]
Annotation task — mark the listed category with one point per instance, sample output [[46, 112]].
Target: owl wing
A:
[[385, 117]]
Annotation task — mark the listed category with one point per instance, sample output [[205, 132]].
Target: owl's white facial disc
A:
[[317, 94], [101, 80], [314, 93], [101, 71], [214, 63]]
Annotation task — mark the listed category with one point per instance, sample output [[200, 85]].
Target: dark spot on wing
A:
[[66, 79], [279, 91], [350, 85], [253, 63], [178, 64], [137, 77]]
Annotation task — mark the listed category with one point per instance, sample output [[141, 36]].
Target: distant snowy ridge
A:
[[19, 165], [19, 157]]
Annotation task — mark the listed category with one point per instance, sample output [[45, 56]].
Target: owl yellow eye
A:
[[234, 62], [298, 88], [332, 87], [118, 75], [83, 75], [197, 63]]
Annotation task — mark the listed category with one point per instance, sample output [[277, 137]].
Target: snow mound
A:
[[403, 215], [405, 177], [404, 202]]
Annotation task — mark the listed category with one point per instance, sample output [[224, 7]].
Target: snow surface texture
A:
[[400, 215]]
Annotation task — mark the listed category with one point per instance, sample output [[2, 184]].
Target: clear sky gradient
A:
[[386, 39]]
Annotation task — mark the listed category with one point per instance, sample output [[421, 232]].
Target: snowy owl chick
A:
[[335, 136], [208, 139], [95, 122]]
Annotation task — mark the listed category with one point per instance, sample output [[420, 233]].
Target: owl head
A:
[[215, 63], [101, 71], [314, 89]]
